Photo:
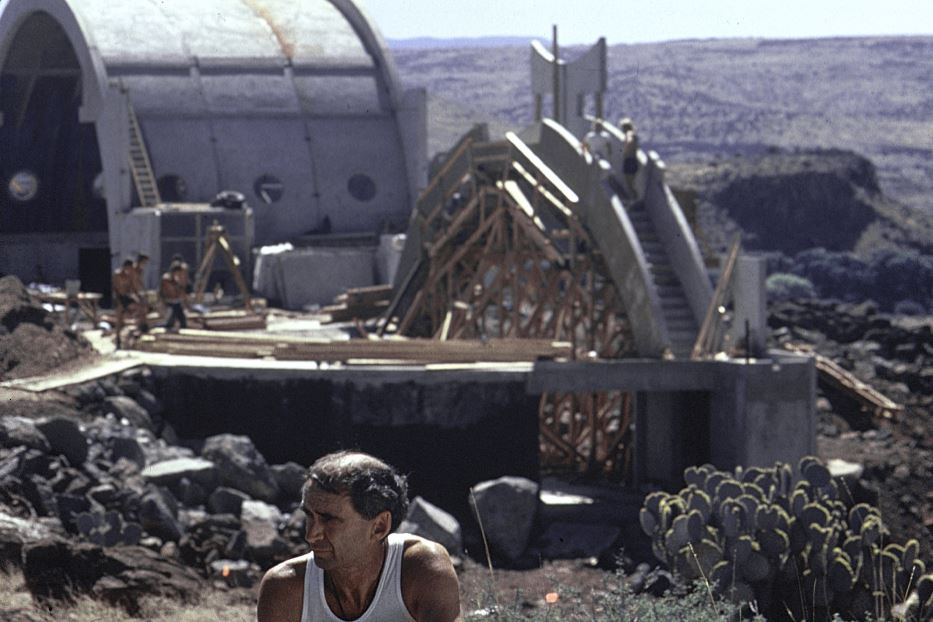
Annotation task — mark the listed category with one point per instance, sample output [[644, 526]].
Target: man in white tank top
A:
[[358, 569]]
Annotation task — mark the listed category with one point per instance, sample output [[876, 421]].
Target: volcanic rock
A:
[[59, 569], [429, 521], [241, 466], [290, 478], [65, 438], [226, 501], [260, 531], [507, 507], [157, 514], [16, 431], [125, 408], [170, 472]]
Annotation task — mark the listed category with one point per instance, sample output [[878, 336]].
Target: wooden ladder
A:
[[140, 166]]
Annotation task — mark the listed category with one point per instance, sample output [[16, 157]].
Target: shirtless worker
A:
[[353, 502], [123, 297], [138, 273], [173, 294]]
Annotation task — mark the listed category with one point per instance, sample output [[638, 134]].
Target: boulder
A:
[[157, 515], [170, 472], [290, 478], [65, 438], [226, 501], [241, 466], [260, 532], [506, 507], [190, 493], [128, 448], [429, 521], [16, 533], [19, 431], [124, 407], [122, 575], [150, 402], [40, 495], [109, 385]]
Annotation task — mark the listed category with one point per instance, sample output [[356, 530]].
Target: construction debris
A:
[[359, 303]]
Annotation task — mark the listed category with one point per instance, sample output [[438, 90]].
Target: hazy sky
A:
[[620, 21]]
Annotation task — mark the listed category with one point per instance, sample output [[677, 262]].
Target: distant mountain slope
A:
[[461, 42], [698, 100]]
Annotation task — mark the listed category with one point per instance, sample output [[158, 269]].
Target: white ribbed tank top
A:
[[387, 605]]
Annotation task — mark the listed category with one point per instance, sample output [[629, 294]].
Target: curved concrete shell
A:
[[294, 103]]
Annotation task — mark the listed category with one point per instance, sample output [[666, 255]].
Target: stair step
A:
[[682, 327], [678, 312], [669, 291]]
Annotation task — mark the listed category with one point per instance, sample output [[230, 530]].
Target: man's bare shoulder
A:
[[429, 582], [421, 551], [281, 593]]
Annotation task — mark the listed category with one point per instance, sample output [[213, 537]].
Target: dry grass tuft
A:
[[16, 604]]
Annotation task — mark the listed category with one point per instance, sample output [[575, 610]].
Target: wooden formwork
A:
[[505, 256]]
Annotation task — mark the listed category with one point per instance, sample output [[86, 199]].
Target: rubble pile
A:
[[31, 341], [101, 502], [893, 355]]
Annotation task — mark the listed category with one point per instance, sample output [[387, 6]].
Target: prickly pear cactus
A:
[[793, 545]]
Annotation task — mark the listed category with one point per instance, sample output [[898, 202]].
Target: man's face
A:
[[338, 535]]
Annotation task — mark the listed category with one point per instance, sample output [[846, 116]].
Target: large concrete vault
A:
[[294, 103]]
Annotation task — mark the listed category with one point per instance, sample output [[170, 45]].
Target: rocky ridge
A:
[[790, 201]]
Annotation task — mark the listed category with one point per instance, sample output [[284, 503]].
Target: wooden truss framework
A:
[[510, 258]]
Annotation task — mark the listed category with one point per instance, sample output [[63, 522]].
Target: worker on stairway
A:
[[630, 162], [598, 143]]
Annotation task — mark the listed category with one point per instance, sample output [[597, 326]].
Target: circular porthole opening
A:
[[269, 189], [172, 188], [23, 186], [361, 187]]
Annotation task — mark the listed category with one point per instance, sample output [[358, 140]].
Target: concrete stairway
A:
[[677, 316]]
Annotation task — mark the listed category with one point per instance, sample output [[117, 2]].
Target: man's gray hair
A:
[[373, 485]]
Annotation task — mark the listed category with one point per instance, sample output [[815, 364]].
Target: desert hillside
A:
[[713, 99]]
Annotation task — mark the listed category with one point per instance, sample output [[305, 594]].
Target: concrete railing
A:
[[677, 238], [601, 212]]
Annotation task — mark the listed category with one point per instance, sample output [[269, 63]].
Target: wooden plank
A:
[[704, 344]]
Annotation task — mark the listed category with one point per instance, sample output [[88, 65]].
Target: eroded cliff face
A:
[[792, 201]]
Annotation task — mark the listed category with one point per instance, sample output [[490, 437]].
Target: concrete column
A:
[[762, 412], [751, 304]]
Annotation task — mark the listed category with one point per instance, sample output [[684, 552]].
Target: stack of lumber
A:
[[359, 303], [353, 351], [233, 319]]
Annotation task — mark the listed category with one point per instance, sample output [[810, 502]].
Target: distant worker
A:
[[124, 299], [358, 567], [173, 294], [139, 290], [629, 156], [598, 142]]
